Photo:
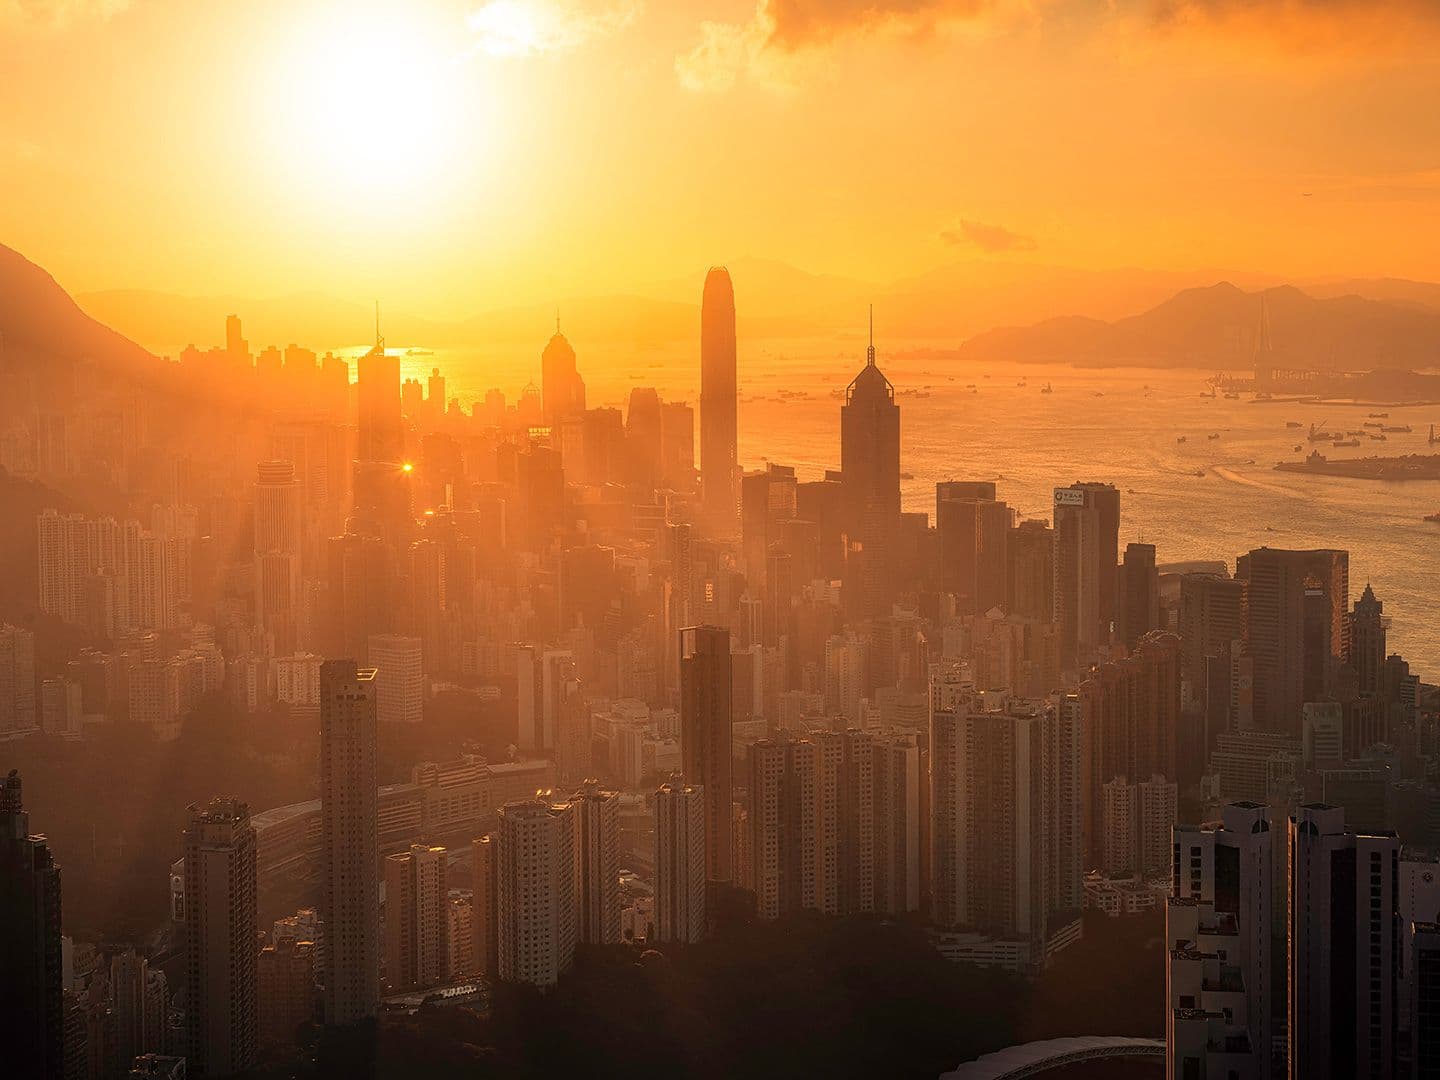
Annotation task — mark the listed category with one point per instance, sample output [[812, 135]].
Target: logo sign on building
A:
[[1069, 497]]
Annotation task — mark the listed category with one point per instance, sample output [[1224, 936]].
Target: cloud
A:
[[58, 14], [991, 239], [1309, 25], [525, 28]]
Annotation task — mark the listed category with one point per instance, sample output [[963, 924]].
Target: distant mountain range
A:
[[1219, 326], [1126, 317]]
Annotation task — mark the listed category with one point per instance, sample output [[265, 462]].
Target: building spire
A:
[[557, 319], [870, 350], [379, 341]]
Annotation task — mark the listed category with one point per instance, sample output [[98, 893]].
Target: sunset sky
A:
[[453, 156]]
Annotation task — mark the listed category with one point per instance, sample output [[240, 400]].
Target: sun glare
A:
[[368, 103]]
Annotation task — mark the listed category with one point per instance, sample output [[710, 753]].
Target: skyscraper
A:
[[1296, 629], [1138, 610], [381, 433], [1087, 522], [32, 1023], [717, 397], [1367, 642], [222, 1018], [18, 714], [597, 885], [416, 917], [706, 720], [279, 586], [1344, 946], [1231, 864], [972, 528], [537, 912], [870, 478], [679, 862], [897, 798], [561, 387], [350, 887], [399, 678], [484, 919]]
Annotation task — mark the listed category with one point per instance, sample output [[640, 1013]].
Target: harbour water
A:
[[1204, 498]]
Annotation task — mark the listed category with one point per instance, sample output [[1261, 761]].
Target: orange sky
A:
[[454, 156]]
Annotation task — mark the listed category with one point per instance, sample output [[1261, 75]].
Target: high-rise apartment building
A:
[[279, 538], [221, 911], [1005, 817], [597, 885], [1232, 866], [706, 720], [1136, 820], [1137, 610], [32, 1020], [898, 801], [535, 887], [1344, 940], [679, 862], [18, 714], [417, 894], [286, 979], [1030, 571], [484, 916], [350, 855], [718, 397]]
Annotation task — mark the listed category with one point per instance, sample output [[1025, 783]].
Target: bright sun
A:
[[366, 102]]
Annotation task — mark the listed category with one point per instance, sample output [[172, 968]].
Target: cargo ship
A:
[[1406, 467]]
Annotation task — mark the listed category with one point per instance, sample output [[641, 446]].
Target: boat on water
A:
[[1380, 415], [1213, 435], [1298, 449], [1293, 424], [1232, 395], [1433, 437], [1199, 472], [1346, 442], [1402, 429], [1376, 424], [1433, 517], [1180, 439], [1046, 389], [907, 476]]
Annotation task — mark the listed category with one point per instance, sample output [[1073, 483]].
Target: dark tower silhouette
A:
[[870, 478], [561, 387], [705, 733], [717, 396], [381, 435], [31, 977]]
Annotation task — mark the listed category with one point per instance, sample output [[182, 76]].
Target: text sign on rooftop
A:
[[1069, 497]]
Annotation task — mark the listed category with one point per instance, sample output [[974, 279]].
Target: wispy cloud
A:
[[523, 28], [990, 239]]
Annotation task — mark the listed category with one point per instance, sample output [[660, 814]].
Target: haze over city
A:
[[544, 538]]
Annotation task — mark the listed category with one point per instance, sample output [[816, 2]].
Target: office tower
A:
[[717, 397], [417, 891], [381, 433], [1343, 945], [484, 918], [17, 681], [870, 482], [1138, 609], [1212, 617], [32, 1019], [1233, 866], [1322, 735], [1005, 821], [561, 706], [286, 978], [279, 585], [705, 726], [811, 822], [236, 347], [536, 906], [1423, 963], [1087, 522], [897, 799], [349, 841], [222, 1024], [1030, 571], [1132, 719], [767, 501], [677, 449], [1295, 632], [597, 885], [1367, 642], [972, 529], [562, 389], [399, 678], [361, 594], [679, 862]]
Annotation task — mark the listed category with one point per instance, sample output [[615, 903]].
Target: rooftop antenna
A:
[[379, 341], [557, 320], [870, 351]]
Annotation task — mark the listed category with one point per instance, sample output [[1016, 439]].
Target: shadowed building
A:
[[717, 396], [870, 481]]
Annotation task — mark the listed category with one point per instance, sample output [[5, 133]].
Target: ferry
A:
[[1433, 517], [1403, 429], [1379, 416], [1346, 442], [1214, 435], [1180, 439], [1293, 424]]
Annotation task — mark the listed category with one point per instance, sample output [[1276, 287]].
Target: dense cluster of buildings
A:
[[724, 684]]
